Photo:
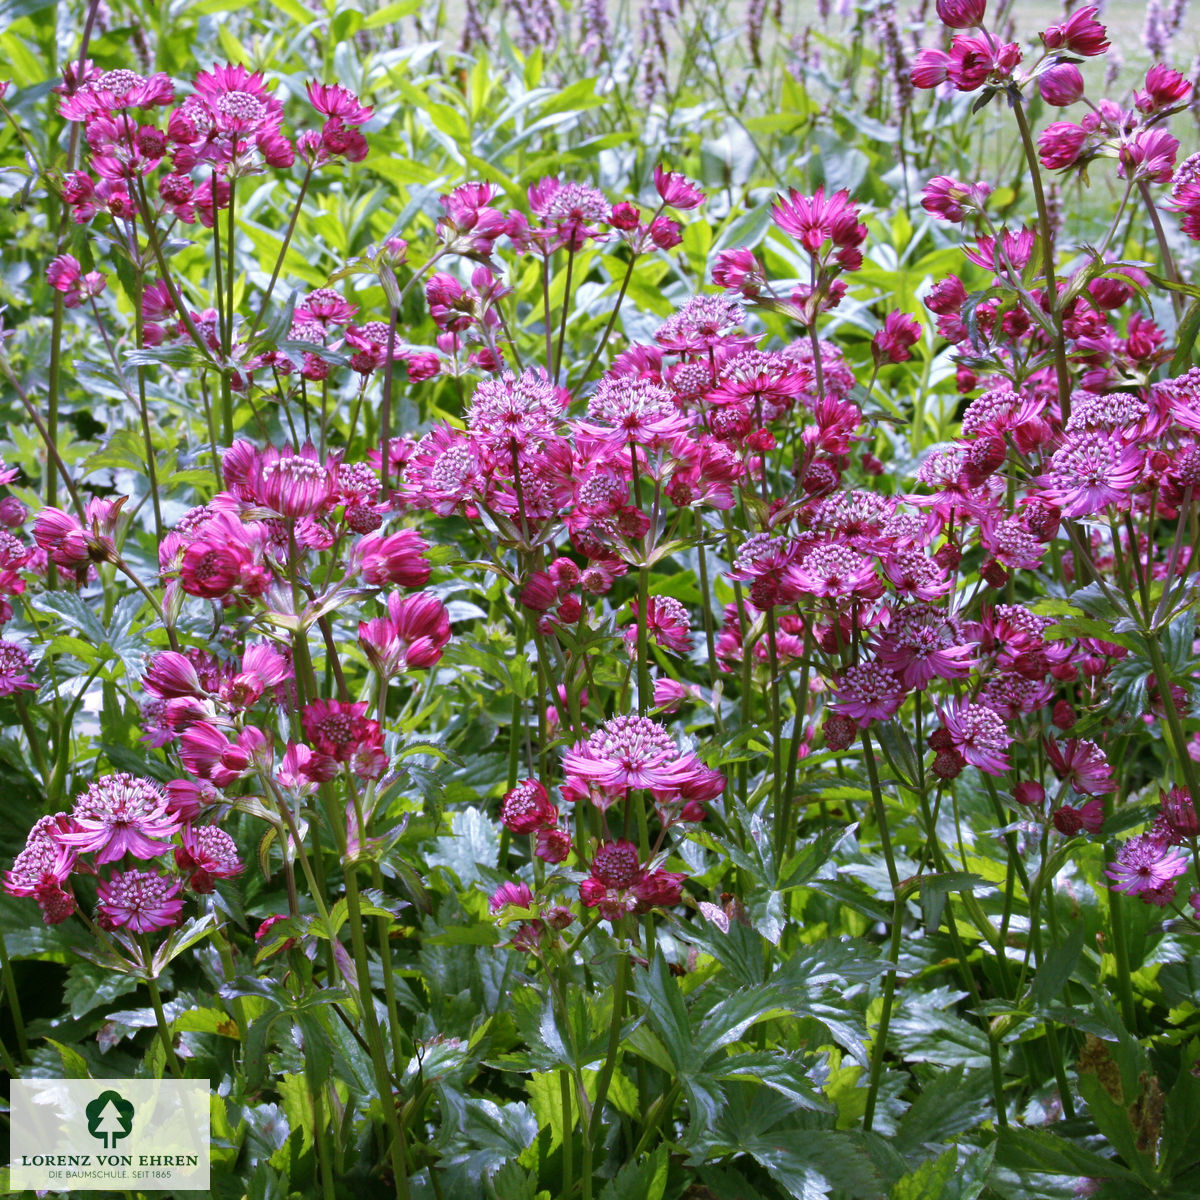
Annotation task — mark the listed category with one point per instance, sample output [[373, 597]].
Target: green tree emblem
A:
[[109, 1117]]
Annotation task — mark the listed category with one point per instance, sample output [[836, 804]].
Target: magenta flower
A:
[[1080, 33], [1090, 471], [894, 342], [553, 845], [516, 894], [667, 624], [207, 854], [950, 200], [340, 729], [629, 409], [1148, 868], [920, 645], [393, 558], [868, 691], [677, 191], [234, 101], [1083, 764], [139, 900], [832, 571], [121, 814], [814, 220], [1061, 84], [208, 754], [411, 637], [527, 808], [15, 668], [625, 752], [42, 868], [65, 275], [961, 14], [293, 485], [171, 675], [978, 733], [1164, 87], [332, 100], [571, 214], [1060, 144]]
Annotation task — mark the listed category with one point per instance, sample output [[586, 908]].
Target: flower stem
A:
[[879, 1048], [160, 1017]]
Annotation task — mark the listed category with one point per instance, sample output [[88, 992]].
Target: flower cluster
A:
[[118, 818]]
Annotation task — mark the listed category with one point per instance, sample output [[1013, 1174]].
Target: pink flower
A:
[[868, 691], [208, 754], [921, 645], [527, 808], [293, 485], [120, 814], [667, 624], [930, 68], [833, 571], [1080, 33], [515, 894], [1089, 472], [393, 558], [625, 752], [961, 14], [1149, 154], [209, 854], [43, 867], [677, 191], [171, 675], [894, 342], [332, 100], [139, 900], [951, 200], [975, 61], [629, 409], [65, 275], [659, 889], [233, 100], [617, 864], [978, 733], [340, 729], [1083, 764], [410, 638], [1164, 87], [1147, 868], [1061, 84], [15, 667], [553, 845], [814, 220], [1069, 820], [1060, 144]]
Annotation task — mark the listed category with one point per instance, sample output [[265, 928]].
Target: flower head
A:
[[139, 900], [121, 814]]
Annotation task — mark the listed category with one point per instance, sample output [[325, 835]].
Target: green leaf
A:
[[667, 1014], [640, 1180], [473, 843], [1185, 339], [1021, 1149]]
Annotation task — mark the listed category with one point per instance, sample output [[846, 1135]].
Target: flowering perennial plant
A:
[[576, 640]]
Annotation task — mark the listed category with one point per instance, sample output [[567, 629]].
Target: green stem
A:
[[879, 1047], [1061, 370], [14, 1001], [160, 1017]]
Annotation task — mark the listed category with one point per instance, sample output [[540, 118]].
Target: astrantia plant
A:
[[612, 674]]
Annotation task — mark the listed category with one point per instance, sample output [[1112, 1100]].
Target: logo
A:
[[109, 1118], [77, 1135]]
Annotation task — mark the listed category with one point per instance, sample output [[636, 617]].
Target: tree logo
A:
[[109, 1118]]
